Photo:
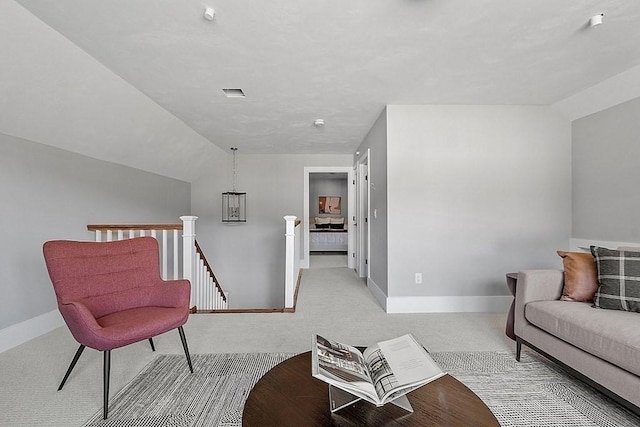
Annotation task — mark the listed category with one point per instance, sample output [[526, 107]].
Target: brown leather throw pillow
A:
[[580, 276]]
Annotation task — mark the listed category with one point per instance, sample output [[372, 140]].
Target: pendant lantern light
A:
[[234, 203]]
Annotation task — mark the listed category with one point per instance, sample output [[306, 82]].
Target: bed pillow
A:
[[322, 222], [618, 279], [337, 223], [580, 276]]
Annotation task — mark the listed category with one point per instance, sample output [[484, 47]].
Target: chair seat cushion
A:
[[136, 324]]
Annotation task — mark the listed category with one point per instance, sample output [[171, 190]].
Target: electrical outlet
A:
[[418, 278]]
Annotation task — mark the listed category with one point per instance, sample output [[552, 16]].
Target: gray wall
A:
[[474, 192], [48, 193], [606, 173], [376, 142], [321, 185], [248, 259]]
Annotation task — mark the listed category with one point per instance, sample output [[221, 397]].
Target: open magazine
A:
[[380, 373]]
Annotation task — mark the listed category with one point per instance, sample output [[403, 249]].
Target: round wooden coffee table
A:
[[289, 396]]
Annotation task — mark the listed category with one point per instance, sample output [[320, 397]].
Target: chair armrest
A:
[[80, 321], [170, 293], [535, 285]]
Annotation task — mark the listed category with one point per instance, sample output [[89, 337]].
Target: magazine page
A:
[[343, 366], [409, 361], [399, 366]]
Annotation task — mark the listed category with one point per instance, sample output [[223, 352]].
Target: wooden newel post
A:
[[289, 265], [189, 252]]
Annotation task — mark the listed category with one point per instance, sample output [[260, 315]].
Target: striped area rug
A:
[[533, 392]]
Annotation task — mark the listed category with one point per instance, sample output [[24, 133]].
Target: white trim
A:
[[377, 293], [22, 332], [579, 244], [363, 228], [449, 304]]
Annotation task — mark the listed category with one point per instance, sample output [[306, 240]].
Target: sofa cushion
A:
[[580, 276], [608, 334], [618, 279]]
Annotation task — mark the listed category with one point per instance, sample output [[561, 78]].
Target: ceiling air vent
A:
[[233, 93]]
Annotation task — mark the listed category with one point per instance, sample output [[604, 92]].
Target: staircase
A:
[[177, 261]]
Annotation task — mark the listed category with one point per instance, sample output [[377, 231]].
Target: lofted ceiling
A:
[[342, 61]]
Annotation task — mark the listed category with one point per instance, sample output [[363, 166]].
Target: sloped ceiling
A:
[[155, 70]]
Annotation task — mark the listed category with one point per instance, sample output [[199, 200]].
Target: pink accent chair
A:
[[110, 294]]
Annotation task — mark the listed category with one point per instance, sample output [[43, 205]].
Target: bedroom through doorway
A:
[[328, 207]]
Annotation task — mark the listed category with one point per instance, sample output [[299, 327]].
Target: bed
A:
[[328, 235]]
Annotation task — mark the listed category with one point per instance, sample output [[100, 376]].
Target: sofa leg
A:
[[518, 348], [153, 347]]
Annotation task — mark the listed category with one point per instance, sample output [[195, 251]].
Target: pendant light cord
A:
[[234, 149]]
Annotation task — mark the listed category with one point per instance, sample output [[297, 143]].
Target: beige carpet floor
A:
[[332, 301]]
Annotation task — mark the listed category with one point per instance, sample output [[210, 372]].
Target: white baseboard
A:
[[449, 304], [25, 331], [377, 293]]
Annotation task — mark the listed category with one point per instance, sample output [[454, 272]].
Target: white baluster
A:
[[98, 235], [176, 272], [109, 235], [120, 234], [164, 254], [132, 234]]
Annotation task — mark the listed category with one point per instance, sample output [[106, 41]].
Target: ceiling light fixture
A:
[[209, 13], [234, 203], [318, 123], [596, 20]]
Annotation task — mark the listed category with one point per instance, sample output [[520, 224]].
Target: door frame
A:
[[304, 262], [363, 233]]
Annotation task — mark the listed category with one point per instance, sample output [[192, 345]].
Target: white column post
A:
[[189, 252], [289, 264]]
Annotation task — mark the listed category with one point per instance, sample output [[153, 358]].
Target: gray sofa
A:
[[601, 347]]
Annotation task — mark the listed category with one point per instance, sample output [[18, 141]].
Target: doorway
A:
[[328, 216]]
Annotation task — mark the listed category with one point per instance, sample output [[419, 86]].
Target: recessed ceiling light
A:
[[318, 123], [233, 93]]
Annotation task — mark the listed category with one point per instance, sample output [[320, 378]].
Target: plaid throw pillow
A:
[[618, 279]]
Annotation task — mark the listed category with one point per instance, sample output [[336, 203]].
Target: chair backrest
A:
[[105, 276]]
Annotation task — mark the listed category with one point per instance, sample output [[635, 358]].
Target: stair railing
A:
[[186, 261]]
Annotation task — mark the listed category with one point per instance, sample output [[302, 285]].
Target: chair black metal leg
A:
[[186, 348], [73, 364], [153, 347], [518, 349], [106, 372]]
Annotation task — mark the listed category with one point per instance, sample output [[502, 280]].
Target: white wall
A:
[[248, 259], [606, 173], [48, 193], [474, 192]]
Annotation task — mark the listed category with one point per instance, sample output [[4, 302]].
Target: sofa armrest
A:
[[535, 285]]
